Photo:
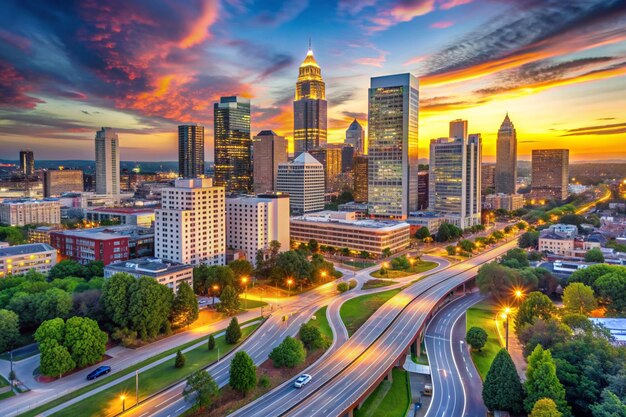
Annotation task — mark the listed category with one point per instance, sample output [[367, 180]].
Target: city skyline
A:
[[143, 69]]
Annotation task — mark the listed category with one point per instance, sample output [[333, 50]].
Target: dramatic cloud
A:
[[609, 129], [442, 24]]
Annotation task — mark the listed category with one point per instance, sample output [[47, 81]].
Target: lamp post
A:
[[244, 281], [323, 275], [289, 282], [215, 288], [505, 315], [123, 398]]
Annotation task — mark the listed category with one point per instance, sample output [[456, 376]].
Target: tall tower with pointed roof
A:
[[506, 158], [355, 136], [309, 107]]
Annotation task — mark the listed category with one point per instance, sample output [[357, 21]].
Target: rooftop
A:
[[25, 249], [30, 201], [147, 266], [365, 224], [122, 210]]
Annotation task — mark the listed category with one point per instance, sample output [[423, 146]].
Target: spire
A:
[[310, 44], [507, 123]]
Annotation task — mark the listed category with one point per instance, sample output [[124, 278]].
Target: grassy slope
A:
[[482, 315], [356, 311], [395, 402], [416, 269]]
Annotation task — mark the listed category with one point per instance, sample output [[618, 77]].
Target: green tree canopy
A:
[[66, 268], [53, 329], [545, 407], [579, 298], [291, 264], [233, 332], [184, 306], [546, 333], [84, 340], [536, 305], [612, 289], [241, 268], [202, 384], [476, 337], [116, 297], [179, 361], [588, 276], [55, 360], [149, 307], [611, 406], [542, 381], [9, 329], [594, 255], [311, 336], [502, 389], [242, 373], [422, 233], [518, 255], [289, 353], [497, 280], [229, 301]]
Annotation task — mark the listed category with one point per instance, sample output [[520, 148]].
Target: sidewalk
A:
[[515, 348]]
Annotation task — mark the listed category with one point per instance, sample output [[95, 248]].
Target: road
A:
[[343, 376], [457, 387]]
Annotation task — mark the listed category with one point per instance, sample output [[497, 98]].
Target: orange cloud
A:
[[441, 25], [199, 30]]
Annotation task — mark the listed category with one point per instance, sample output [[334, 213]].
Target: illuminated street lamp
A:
[[123, 398], [244, 281], [215, 288], [505, 316], [323, 273], [289, 282], [411, 261], [519, 294]]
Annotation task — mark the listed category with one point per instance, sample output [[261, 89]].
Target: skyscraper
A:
[[455, 166], [58, 181], [233, 146], [392, 149], [330, 157], [360, 178], [506, 158], [190, 150], [458, 129], [347, 158], [269, 150], [107, 161], [303, 180], [422, 190], [550, 174], [27, 163], [488, 178], [355, 136], [309, 107]]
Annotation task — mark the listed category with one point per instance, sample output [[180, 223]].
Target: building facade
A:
[[85, 246], [550, 174], [19, 259], [309, 107], [506, 158], [190, 225], [507, 202], [269, 151], [27, 163], [59, 181], [330, 157], [233, 145], [253, 222], [392, 149], [458, 129], [190, 150], [347, 158], [361, 178], [422, 190], [303, 180], [107, 161], [143, 217], [488, 178], [355, 136], [28, 211], [168, 273]]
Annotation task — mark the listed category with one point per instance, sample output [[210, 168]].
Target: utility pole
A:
[[137, 386]]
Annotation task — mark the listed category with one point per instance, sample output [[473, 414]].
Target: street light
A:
[[505, 316], [215, 288], [123, 398], [289, 282], [519, 294], [323, 275], [244, 280]]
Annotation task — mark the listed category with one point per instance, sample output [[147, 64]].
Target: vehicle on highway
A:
[[428, 389], [302, 380], [99, 371], [203, 302]]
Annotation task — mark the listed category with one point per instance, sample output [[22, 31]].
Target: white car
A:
[[302, 380]]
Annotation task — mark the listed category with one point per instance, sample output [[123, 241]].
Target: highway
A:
[[456, 383], [341, 378]]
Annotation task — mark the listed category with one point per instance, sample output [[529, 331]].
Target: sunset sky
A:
[[558, 67]]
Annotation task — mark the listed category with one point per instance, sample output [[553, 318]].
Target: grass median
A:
[[355, 312], [418, 268], [482, 315], [321, 322], [389, 399]]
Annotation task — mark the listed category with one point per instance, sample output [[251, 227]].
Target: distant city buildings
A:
[[355, 136], [190, 225], [488, 178], [330, 157], [563, 240], [107, 161], [21, 212], [59, 181], [550, 174], [506, 158], [458, 129], [309, 107], [269, 150], [168, 273], [303, 180], [392, 149], [233, 145], [143, 217], [422, 190], [347, 158], [507, 202], [361, 178], [190, 150], [19, 259], [27, 163]]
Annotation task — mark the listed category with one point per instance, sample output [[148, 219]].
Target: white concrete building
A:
[[29, 211], [303, 180], [171, 274], [18, 260], [253, 222], [190, 226], [107, 161]]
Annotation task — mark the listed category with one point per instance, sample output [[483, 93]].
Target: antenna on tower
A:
[[309, 43]]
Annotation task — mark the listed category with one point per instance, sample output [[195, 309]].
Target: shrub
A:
[[211, 343], [289, 353], [233, 332], [264, 381], [180, 360], [343, 287], [352, 284]]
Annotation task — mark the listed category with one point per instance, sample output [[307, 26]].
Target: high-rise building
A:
[[488, 178], [269, 151], [107, 161], [422, 190], [309, 107], [190, 150], [550, 174], [233, 145], [355, 136], [458, 129], [27, 163], [392, 148], [59, 181], [506, 158], [303, 180], [253, 222], [330, 157], [455, 179], [361, 166], [190, 225], [347, 158]]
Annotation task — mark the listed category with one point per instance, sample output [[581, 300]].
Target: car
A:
[[302, 380], [99, 371], [203, 301]]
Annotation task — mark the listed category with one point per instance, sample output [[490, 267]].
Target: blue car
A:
[[99, 371]]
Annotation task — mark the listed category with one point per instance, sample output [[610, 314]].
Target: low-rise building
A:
[[428, 219], [507, 202], [343, 230], [88, 245], [18, 260], [21, 212], [359, 208], [168, 273], [41, 234], [143, 217], [563, 241]]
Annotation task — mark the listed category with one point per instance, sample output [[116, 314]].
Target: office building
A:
[[455, 179], [253, 222], [89, 245], [422, 190], [190, 225], [343, 230], [309, 107], [550, 174], [143, 217], [21, 212], [507, 202], [27, 163], [190, 151], [59, 181], [355, 136], [269, 151], [19, 259], [506, 158], [41, 234], [107, 161], [458, 129], [428, 219], [168, 273], [347, 158], [233, 145], [361, 178], [488, 178], [303, 180], [392, 149], [330, 158]]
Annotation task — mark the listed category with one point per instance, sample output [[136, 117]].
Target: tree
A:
[[546, 333], [53, 329], [311, 336], [467, 245], [313, 246], [9, 329], [345, 251], [233, 332], [611, 406], [579, 298], [401, 263], [179, 362], [365, 254], [211, 343], [13, 235], [229, 301], [542, 382], [594, 255], [84, 340], [476, 337], [518, 255], [545, 407], [289, 353], [612, 289], [67, 268], [497, 280], [588, 276], [184, 306], [386, 252], [241, 268], [52, 303], [343, 286], [149, 307], [292, 264], [536, 305], [502, 389], [94, 269], [55, 360], [242, 373], [116, 296], [204, 386], [422, 233]]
